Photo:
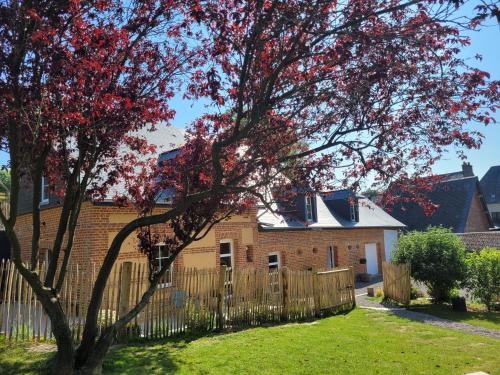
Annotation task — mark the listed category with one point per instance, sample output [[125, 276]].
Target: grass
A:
[[24, 358], [360, 342], [476, 314]]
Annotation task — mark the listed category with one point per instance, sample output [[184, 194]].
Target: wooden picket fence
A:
[[189, 301], [397, 282]]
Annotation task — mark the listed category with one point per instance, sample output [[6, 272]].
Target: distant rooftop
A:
[[490, 185], [453, 195]]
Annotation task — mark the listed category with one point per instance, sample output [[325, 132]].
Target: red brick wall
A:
[[476, 221], [297, 249], [308, 248]]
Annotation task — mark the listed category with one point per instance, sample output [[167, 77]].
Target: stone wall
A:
[[476, 241]]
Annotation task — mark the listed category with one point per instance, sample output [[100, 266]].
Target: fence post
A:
[[284, 291], [124, 296], [353, 287], [220, 298], [316, 296], [408, 284]]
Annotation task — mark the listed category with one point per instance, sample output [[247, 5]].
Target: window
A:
[[352, 211], [161, 258], [226, 253], [495, 216], [45, 191], [309, 208], [330, 258], [274, 276], [273, 261]]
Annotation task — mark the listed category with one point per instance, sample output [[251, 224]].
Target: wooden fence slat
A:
[[397, 282], [195, 300]]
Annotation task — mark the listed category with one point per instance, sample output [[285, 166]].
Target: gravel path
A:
[[363, 302]]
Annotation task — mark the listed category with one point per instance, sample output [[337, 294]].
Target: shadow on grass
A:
[[490, 319], [162, 355], [24, 358], [137, 357]]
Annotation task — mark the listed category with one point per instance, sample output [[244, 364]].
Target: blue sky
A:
[[483, 43]]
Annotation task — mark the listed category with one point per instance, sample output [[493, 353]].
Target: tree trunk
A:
[[65, 356], [94, 359]]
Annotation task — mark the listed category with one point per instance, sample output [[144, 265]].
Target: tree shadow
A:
[[160, 355], [446, 312], [23, 358]]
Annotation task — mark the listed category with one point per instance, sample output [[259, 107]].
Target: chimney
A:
[[467, 170]]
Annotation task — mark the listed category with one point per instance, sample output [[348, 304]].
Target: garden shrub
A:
[[436, 257], [483, 276]]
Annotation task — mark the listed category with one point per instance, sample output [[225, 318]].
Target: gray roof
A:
[[164, 137], [490, 185], [370, 216], [453, 196]]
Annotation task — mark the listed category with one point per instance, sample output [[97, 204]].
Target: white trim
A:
[[278, 263], [231, 251], [44, 199]]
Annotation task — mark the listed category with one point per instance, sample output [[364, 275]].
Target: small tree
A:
[[483, 276], [437, 259]]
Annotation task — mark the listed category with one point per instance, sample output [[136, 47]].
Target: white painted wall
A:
[[390, 243]]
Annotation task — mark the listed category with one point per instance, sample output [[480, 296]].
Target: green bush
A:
[[437, 259], [483, 276]]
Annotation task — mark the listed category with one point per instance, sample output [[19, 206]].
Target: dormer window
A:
[[44, 199], [309, 209], [352, 212]]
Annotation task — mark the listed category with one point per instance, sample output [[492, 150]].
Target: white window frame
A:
[[170, 270], [330, 257], [44, 199], [278, 263], [309, 208], [231, 251]]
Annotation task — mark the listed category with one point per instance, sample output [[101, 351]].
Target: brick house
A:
[[322, 230], [490, 184]]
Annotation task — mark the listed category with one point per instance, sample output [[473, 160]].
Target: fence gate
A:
[[397, 284]]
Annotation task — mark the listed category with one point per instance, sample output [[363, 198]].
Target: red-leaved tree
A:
[[303, 92]]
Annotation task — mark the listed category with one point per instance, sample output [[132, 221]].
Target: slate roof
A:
[[454, 197], [370, 216], [167, 140], [490, 185]]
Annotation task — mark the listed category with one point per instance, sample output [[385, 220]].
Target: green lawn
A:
[[476, 315], [360, 342]]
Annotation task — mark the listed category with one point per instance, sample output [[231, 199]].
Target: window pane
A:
[[273, 258], [162, 252], [225, 248], [329, 255], [225, 261], [309, 214]]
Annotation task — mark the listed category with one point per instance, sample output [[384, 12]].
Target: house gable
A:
[[478, 217]]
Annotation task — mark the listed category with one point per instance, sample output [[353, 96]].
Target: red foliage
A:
[[309, 93]]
